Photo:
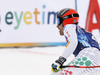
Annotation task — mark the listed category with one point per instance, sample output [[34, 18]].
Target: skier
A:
[[80, 42]]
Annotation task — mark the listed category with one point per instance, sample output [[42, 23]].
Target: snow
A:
[[29, 61]]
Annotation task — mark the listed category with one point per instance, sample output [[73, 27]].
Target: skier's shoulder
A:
[[69, 26]]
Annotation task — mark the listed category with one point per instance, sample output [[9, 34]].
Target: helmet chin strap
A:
[[62, 25]]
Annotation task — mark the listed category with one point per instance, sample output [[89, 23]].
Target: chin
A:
[[61, 34]]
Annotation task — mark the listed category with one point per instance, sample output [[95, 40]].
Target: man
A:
[[80, 42]]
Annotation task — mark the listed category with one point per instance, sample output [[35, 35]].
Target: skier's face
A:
[[60, 27]]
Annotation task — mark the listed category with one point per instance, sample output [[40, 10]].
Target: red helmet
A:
[[67, 16]]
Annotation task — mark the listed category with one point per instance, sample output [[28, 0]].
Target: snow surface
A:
[[29, 61]]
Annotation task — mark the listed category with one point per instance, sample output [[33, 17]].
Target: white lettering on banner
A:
[[64, 11]]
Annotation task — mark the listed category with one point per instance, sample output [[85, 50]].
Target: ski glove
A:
[[58, 63]]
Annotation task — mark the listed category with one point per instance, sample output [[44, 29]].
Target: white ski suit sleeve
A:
[[71, 38]]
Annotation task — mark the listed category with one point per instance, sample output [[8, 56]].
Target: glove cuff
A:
[[61, 60]]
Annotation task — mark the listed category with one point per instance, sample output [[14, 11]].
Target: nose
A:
[[57, 26]]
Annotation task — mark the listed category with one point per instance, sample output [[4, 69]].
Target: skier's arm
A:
[[70, 33]]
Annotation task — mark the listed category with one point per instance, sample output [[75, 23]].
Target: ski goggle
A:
[[60, 20]]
